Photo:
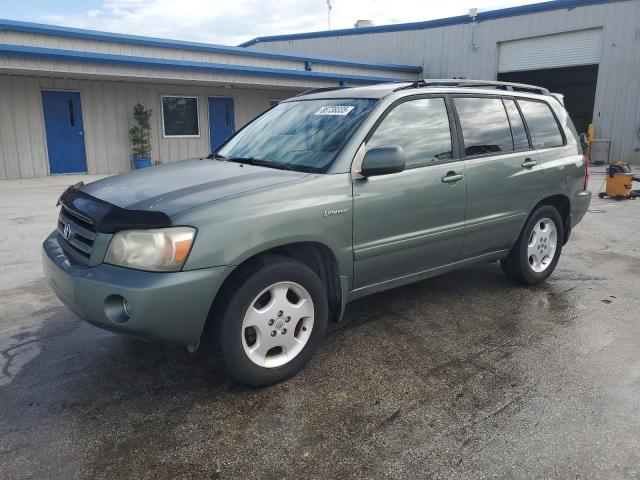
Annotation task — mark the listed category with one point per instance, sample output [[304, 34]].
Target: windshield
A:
[[303, 135]]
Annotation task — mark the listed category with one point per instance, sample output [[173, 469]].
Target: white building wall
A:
[[472, 52], [107, 110]]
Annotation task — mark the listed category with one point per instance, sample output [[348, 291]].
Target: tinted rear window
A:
[[485, 127], [542, 124]]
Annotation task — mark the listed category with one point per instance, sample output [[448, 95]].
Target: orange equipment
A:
[[619, 182]]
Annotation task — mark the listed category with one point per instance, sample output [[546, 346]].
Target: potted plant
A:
[[140, 137]]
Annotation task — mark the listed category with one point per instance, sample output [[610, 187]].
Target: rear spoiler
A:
[[559, 97]]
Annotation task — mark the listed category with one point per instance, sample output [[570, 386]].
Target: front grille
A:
[[80, 236]]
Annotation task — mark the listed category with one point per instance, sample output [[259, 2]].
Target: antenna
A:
[[473, 15], [329, 14]]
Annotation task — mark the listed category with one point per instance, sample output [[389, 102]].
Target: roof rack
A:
[[320, 90], [454, 82]]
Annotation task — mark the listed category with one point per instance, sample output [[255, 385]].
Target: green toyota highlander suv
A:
[[324, 198]]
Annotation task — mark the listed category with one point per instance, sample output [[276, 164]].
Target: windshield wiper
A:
[[265, 163], [257, 161], [284, 166], [247, 160]]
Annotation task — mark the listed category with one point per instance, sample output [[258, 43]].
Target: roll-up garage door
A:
[[551, 51]]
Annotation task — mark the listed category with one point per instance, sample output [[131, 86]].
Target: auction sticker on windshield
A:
[[340, 110]]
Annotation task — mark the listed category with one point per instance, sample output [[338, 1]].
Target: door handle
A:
[[80, 133], [528, 163], [452, 177]]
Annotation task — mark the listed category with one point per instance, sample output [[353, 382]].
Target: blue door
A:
[[221, 121], [65, 135]]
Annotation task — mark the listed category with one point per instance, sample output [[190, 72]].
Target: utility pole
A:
[[328, 14]]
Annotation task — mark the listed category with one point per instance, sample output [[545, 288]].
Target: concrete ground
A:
[[461, 376]]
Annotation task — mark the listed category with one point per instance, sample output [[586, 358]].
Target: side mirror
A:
[[382, 161]]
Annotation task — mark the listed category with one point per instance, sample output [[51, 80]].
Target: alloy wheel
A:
[[277, 324], [541, 248]]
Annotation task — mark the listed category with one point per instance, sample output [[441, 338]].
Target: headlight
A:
[[161, 250]]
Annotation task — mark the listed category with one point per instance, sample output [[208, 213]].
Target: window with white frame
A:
[[180, 116]]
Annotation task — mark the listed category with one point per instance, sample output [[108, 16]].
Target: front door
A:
[[221, 120], [413, 221], [64, 131]]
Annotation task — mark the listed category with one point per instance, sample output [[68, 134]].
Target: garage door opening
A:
[[577, 84]]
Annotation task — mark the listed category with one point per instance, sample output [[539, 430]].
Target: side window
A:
[[542, 124], [485, 128], [420, 127], [520, 140]]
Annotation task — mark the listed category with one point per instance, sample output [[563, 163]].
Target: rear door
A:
[[504, 178], [558, 158], [412, 221]]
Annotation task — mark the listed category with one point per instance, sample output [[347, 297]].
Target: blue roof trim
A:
[[441, 22], [127, 60], [27, 27]]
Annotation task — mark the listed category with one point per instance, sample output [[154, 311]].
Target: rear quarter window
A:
[[543, 127]]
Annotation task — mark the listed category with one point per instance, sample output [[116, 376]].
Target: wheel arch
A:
[[561, 203], [317, 256]]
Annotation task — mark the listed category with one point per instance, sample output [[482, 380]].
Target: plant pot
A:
[[141, 162]]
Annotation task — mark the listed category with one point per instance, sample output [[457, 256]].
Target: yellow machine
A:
[[620, 180]]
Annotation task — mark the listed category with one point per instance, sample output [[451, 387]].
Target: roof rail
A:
[[455, 82], [320, 90]]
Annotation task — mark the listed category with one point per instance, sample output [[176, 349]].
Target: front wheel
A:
[[269, 320], [537, 250]]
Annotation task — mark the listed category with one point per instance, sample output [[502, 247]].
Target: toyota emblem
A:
[[66, 232]]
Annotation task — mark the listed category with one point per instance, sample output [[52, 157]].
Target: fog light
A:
[[127, 307]]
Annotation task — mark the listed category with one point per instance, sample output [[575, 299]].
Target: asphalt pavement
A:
[[460, 376]]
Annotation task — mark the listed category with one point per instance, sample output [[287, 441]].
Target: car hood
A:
[[179, 186]]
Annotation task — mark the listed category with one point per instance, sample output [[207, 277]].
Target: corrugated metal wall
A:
[[107, 109], [120, 48], [472, 52]]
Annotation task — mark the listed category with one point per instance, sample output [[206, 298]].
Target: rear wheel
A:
[[269, 320], [537, 250]]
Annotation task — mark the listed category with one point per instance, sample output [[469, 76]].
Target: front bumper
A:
[[164, 307]]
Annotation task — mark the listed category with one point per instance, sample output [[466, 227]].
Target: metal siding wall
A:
[[39, 66], [107, 111], [82, 45], [447, 52], [22, 141]]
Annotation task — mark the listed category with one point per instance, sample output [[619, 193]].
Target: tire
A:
[[535, 255], [277, 294]]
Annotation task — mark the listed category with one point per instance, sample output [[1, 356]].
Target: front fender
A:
[[318, 209]]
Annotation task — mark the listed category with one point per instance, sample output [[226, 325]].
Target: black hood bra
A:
[[108, 218]]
